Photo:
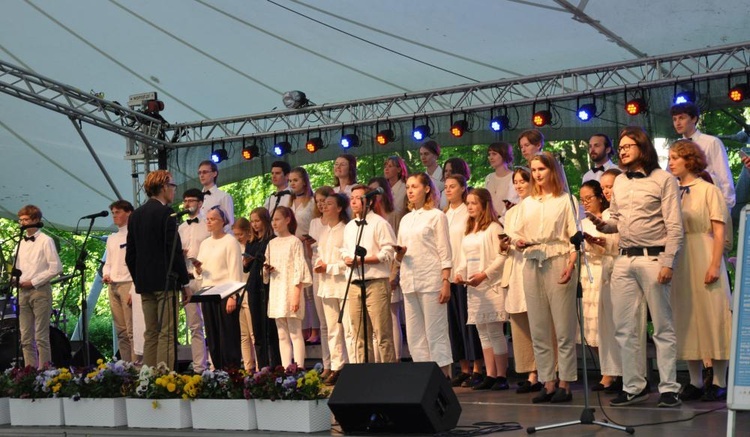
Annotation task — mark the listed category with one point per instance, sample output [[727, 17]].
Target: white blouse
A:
[[303, 214], [424, 233], [333, 282], [457, 218], [221, 260], [546, 225]]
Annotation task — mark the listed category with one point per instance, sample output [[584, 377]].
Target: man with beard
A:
[[600, 153]]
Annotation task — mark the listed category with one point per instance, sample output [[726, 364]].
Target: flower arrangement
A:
[[6, 384], [23, 382], [291, 383], [218, 384], [113, 379], [161, 383], [30, 383]]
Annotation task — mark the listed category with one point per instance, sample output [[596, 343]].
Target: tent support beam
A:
[[111, 183]]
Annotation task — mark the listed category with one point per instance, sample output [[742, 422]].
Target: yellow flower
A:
[[100, 361], [56, 388], [155, 405], [171, 387]]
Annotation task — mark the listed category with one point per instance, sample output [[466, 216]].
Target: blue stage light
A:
[[587, 112], [421, 132], [282, 148], [349, 140], [684, 97], [498, 124]]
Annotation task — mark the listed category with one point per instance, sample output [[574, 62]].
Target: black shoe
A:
[[528, 387], [459, 379], [714, 393], [543, 396], [616, 387], [625, 398], [561, 395], [691, 393], [475, 379], [501, 383], [332, 378], [708, 376], [486, 384], [669, 399], [599, 387]]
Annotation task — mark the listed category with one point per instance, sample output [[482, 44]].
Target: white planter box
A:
[[107, 412], [293, 416], [4, 411], [232, 414], [37, 412], [158, 413]]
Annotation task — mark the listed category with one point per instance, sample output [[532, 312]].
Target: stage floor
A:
[[505, 406]]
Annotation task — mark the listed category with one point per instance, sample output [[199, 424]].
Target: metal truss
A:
[[80, 106], [655, 71]]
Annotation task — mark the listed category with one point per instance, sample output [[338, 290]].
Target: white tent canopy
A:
[[220, 58]]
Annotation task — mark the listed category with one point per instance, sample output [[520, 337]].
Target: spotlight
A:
[[739, 92], [219, 155], [498, 124], [541, 118], [421, 132], [635, 106], [349, 140], [586, 112], [384, 137], [314, 144], [282, 148], [459, 127], [250, 152], [684, 97], [295, 99]]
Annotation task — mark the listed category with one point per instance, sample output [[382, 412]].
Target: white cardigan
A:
[[490, 260]]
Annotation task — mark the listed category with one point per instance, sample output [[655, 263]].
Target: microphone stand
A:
[[587, 415], [16, 281], [171, 278], [80, 267]]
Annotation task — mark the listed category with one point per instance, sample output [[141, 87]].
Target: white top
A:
[[515, 301], [437, 178], [424, 233], [718, 164], [192, 235], [270, 203], [399, 198], [38, 260], [347, 190], [378, 239], [114, 265], [287, 256], [547, 222], [490, 261], [304, 215], [333, 281], [221, 198], [221, 260], [591, 175], [316, 229], [457, 218], [501, 188]]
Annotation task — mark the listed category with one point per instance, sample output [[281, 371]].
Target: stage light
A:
[[421, 132], [635, 106], [684, 97], [739, 92], [384, 137], [349, 141], [541, 118], [219, 155], [282, 148], [314, 144], [295, 99], [459, 127], [250, 152], [586, 112], [499, 123]]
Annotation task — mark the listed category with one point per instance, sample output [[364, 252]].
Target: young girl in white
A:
[[287, 273]]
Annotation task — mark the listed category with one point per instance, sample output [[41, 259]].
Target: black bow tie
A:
[[191, 221], [597, 169], [684, 190], [634, 175], [207, 193], [32, 238]]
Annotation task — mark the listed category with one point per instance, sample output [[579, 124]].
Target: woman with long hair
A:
[[547, 221], [344, 173], [242, 231], [423, 249], [480, 267], [453, 166], [465, 344]]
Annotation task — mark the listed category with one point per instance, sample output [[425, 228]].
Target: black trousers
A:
[[222, 334], [264, 329]]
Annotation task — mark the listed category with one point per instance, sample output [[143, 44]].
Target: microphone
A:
[[97, 215], [374, 192], [181, 213], [282, 193], [32, 225]]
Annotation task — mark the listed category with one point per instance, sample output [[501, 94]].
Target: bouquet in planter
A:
[[6, 384], [30, 383], [161, 383], [112, 379], [291, 383], [218, 384]]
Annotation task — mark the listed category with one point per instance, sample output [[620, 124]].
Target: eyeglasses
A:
[[588, 199], [172, 184], [626, 147]]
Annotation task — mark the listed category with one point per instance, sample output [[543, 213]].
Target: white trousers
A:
[[338, 333], [427, 328]]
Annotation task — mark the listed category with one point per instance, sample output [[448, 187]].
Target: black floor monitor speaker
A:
[[394, 398]]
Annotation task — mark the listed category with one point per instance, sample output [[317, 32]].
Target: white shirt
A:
[[457, 218], [270, 204], [333, 282], [378, 239], [221, 198], [303, 214], [347, 189], [222, 260], [192, 235], [596, 176], [437, 178], [547, 222], [115, 266], [501, 188], [38, 260], [424, 233], [718, 165], [399, 198]]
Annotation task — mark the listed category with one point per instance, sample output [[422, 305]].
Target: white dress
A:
[[486, 302], [600, 260], [515, 301], [286, 255]]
